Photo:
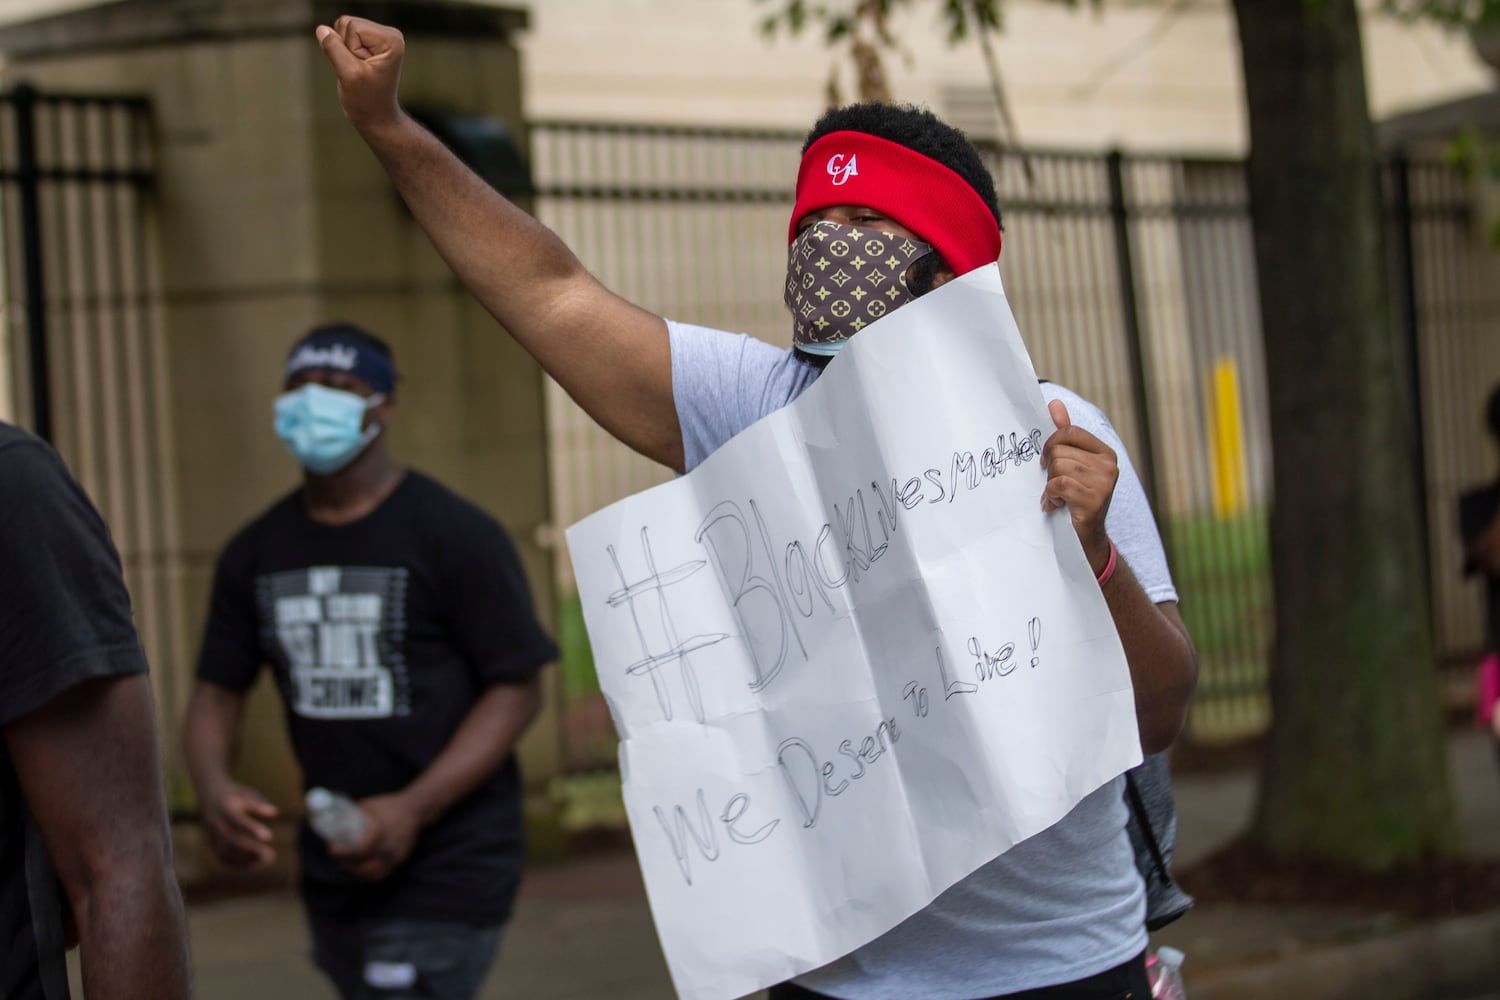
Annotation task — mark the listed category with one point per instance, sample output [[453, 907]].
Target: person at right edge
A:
[[1479, 527], [1060, 915]]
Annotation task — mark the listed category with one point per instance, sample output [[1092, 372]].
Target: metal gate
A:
[[82, 363]]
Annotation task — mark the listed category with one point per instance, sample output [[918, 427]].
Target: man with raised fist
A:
[[1061, 914]]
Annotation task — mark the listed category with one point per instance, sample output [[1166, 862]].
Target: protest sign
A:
[[849, 658]]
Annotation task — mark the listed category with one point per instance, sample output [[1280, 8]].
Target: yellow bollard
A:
[[1226, 440]]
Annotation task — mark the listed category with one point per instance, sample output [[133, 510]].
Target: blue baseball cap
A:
[[344, 347]]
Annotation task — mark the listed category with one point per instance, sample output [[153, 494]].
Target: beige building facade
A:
[[269, 216], [1139, 75]]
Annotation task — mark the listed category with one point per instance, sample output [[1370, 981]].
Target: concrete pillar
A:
[[271, 216]]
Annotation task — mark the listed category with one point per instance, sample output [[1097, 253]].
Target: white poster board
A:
[[849, 658]]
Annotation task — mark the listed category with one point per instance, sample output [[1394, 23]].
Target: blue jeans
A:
[[403, 959]]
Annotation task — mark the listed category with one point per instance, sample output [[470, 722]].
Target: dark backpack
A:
[[1153, 838]]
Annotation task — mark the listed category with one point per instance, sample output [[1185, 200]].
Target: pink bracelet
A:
[[1109, 567]]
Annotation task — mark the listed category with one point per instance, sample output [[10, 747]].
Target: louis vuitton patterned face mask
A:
[[840, 279]]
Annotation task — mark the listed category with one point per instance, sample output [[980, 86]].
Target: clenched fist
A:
[[367, 59]]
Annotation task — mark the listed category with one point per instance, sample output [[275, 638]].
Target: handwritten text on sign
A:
[[849, 658]]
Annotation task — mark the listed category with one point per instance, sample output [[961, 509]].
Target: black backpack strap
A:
[[1143, 820]]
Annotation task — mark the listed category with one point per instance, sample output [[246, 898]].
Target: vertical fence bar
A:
[[1135, 348], [23, 101], [1405, 287]]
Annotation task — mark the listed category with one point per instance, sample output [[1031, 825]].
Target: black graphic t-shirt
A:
[[382, 634], [65, 618]]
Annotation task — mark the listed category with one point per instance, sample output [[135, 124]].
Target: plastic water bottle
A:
[[334, 817], [1165, 973]]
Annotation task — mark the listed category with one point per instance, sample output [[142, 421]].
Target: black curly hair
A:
[[919, 130]]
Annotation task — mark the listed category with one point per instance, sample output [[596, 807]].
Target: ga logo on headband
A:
[[840, 170]]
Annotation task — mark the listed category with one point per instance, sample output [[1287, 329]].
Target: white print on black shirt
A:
[[341, 629]]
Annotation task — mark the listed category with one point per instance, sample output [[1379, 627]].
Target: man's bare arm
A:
[[91, 774], [234, 816], [487, 735], [611, 356], [1163, 663]]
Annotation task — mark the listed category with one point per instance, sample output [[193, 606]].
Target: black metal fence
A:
[[80, 331], [1132, 277], [1447, 300], [1133, 280]]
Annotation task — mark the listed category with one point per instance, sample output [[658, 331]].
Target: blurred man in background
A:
[[399, 624], [1063, 913]]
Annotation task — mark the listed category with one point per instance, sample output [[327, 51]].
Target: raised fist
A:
[[367, 59]]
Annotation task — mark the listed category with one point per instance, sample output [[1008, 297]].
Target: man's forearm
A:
[[132, 941], [484, 739], [90, 769], [1163, 664], [209, 733]]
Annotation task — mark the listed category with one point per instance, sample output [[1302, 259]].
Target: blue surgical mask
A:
[[324, 428]]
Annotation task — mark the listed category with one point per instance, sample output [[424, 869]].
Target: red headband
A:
[[931, 200]]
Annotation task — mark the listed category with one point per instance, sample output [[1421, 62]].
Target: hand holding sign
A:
[[1081, 475]]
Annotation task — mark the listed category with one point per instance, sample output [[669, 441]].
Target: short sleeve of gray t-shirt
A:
[[1062, 905]]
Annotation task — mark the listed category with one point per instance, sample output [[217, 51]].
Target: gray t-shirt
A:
[[1064, 904]]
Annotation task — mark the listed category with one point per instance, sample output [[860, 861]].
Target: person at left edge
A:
[[400, 628], [84, 830]]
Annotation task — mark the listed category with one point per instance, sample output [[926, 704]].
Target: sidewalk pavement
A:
[[582, 929], [1250, 952]]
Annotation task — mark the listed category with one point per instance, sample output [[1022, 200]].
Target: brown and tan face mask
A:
[[840, 279]]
